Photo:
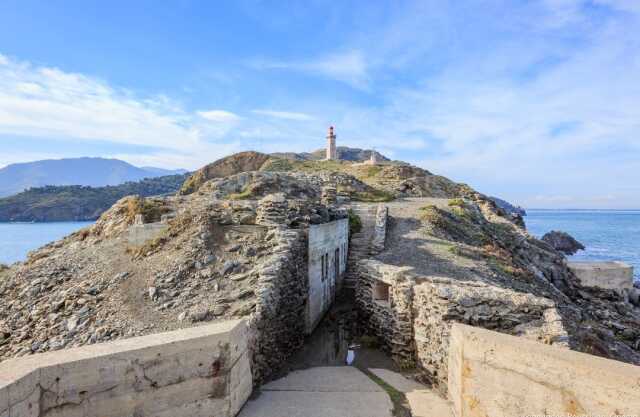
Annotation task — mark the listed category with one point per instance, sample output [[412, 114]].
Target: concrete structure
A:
[[373, 159], [607, 275], [200, 371], [140, 233], [321, 392], [332, 151], [496, 375], [328, 251]]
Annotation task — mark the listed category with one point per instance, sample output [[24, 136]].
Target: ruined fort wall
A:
[[200, 371], [278, 322], [497, 375], [328, 247]]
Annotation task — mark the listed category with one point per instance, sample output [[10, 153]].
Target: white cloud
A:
[[219, 116], [47, 102], [349, 67], [286, 115]]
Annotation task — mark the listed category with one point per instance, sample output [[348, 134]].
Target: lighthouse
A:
[[332, 151]]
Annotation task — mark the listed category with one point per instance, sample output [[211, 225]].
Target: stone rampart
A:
[[496, 375], [199, 371], [607, 275]]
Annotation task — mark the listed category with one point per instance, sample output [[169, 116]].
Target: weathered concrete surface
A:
[[200, 371], [139, 234], [328, 246], [496, 375], [321, 392], [423, 401], [609, 275]]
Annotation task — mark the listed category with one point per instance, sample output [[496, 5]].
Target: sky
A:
[[534, 101]]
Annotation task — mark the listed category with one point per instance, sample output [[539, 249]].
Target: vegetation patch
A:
[[278, 165], [373, 196], [457, 227], [355, 224], [245, 194], [401, 406]]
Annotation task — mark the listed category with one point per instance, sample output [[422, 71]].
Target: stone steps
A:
[[360, 243]]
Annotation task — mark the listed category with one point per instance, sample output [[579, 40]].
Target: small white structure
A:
[[608, 275], [332, 151], [373, 159], [328, 246]]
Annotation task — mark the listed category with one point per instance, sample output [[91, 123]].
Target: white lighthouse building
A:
[[332, 151]]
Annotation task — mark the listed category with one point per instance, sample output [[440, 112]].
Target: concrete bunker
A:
[[328, 247]]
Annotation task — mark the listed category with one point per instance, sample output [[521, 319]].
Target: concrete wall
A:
[[200, 371], [607, 275], [139, 234], [496, 375], [328, 247]]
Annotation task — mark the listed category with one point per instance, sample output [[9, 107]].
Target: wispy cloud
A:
[[286, 115], [349, 67], [219, 116]]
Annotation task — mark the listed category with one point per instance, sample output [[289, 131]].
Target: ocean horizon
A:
[[608, 234]]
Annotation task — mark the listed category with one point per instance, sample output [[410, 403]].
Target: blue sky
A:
[[534, 101]]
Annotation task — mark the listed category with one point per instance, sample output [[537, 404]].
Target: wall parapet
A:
[[497, 375], [199, 371]]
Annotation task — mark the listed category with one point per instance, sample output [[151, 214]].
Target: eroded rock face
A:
[[563, 242]]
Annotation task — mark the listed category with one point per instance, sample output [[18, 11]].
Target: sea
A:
[[607, 234], [17, 239]]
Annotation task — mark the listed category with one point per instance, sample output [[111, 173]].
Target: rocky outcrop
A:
[[563, 242], [234, 164]]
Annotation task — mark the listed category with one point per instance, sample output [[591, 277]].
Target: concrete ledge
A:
[[608, 275], [496, 375], [200, 371], [139, 234]]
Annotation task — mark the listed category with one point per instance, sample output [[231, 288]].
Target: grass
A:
[[456, 202], [245, 194], [401, 406], [355, 224], [374, 196]]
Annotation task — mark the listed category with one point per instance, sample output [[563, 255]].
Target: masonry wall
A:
[[277, 326], [200, 371], [414, 322], [328, 251], [497, 375]]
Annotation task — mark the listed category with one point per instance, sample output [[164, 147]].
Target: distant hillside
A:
[[76, 203], [94, 172], [508, 207], [344, 153]]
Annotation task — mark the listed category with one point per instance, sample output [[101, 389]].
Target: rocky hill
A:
[[93, 172], [233, 246], [344, 154], [78, 203]]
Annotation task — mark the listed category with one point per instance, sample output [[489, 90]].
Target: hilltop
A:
[[93, 172], [231, 243]]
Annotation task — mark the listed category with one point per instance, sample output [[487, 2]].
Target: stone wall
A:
[[328, 250], [380, 229], [278, 322], [200, 371], [414, 321], [607, 275], [139, 234], [497, 375]]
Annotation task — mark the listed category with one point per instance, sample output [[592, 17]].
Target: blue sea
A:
[[17, 239], [608, 235]]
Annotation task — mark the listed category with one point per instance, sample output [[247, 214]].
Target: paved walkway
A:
[[340, 391]]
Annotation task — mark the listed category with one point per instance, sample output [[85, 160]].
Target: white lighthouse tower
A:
[[332, 151]]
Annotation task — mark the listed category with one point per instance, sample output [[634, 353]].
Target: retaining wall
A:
[[496, 375], [200, 371], [608, 275]]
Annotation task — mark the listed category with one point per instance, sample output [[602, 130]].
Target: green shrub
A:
[[355, 224], [456, 202]]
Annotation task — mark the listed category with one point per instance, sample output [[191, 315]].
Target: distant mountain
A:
[[94, 172], [345, 153], [76, 203]]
